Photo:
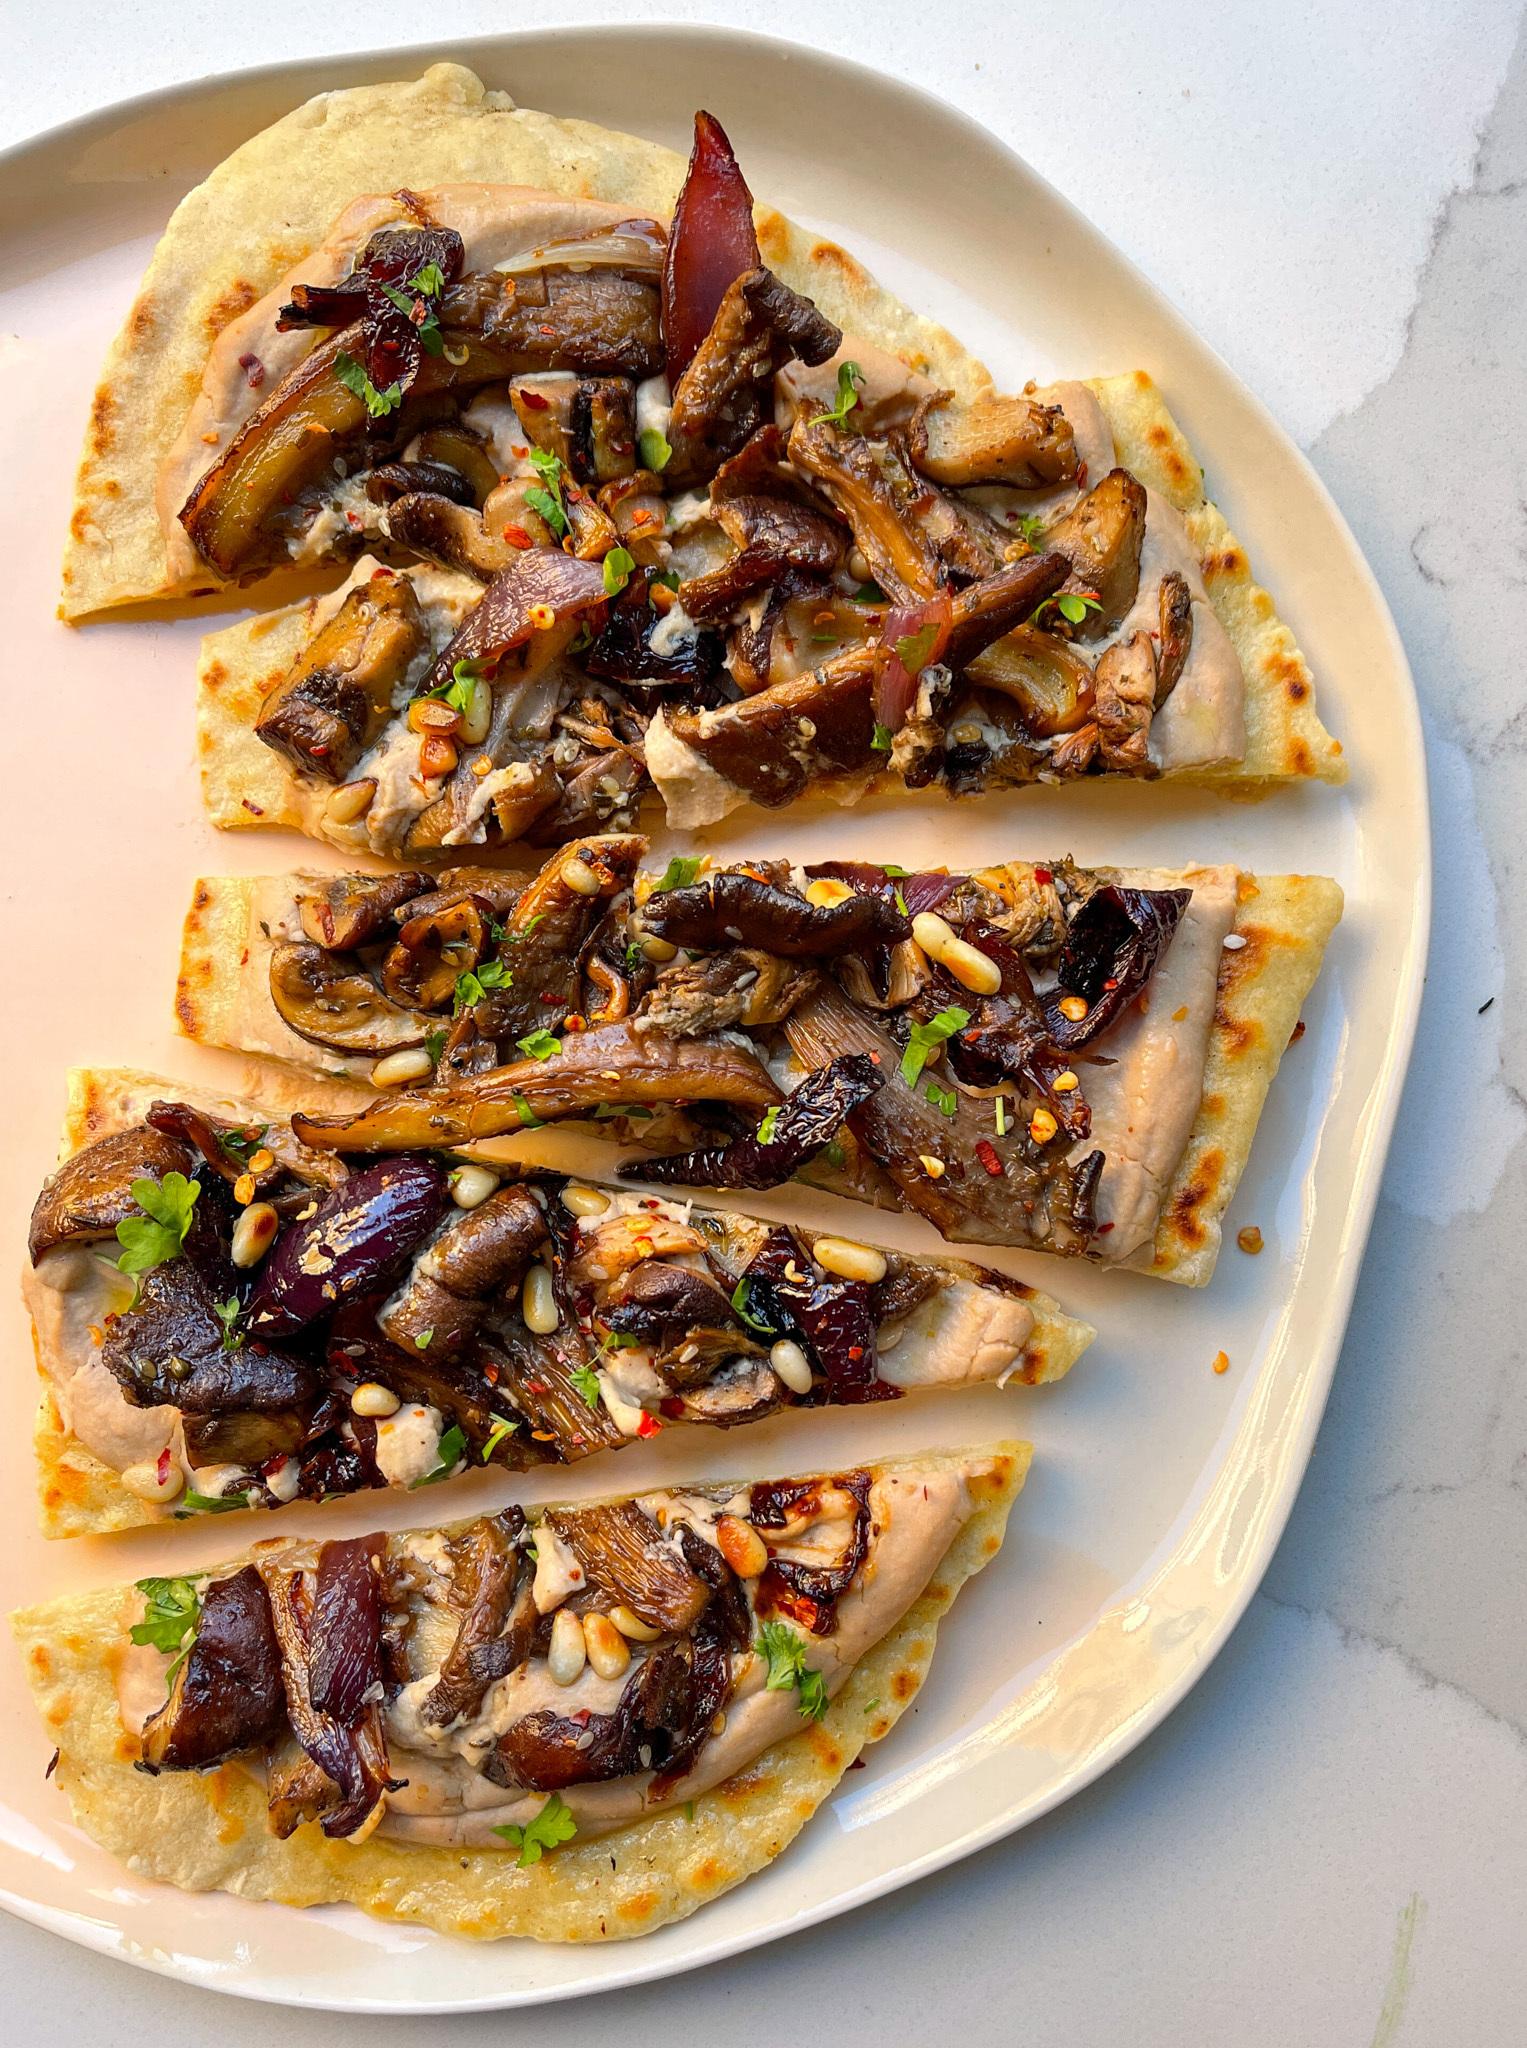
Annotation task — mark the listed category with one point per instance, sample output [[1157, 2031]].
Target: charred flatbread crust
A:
[[79, 1495], [1285, 922], [207, 1832]]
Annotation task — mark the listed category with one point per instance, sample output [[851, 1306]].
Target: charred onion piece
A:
[[389, 340], [353, 1756], [90, 1194], [836, 1319], [810, 1119], [226, 1697], [347, 1628], [1110, 954], [732, 908], [623, 652], [622, 1549], [359, 1238], [338, 696], [332, 1002], [611, 1063], [710, 244]]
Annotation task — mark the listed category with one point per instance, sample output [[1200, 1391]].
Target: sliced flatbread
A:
[[207, 1832]]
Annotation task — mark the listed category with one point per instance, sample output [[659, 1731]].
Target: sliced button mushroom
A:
[[432, 953], [588, 423], [342, 912], [339, 694], [457, 447], [1101, 538], [329, 1002]]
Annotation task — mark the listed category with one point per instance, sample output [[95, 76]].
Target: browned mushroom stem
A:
[[611, 1063], [726, 392], [871, 486], [597, 322], [90, 1194], [736, 908], [227, 1696], [345, 911], [991, 440], [456, 536], [338, 696], [1101, 538], [1126, 701], [588, 423], [771, 537], [434, 949], [457, 446], [330, 1001]]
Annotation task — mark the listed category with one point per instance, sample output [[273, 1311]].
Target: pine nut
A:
[[399, 1068], [580, 876], [657, 950], [858, 565], [970, 967], [825, 891], [792, 1365], [350, 801], [538, 1302], [848, 1260], [582, 1201], [472, 1185], [143, 1483], [608, 1650], [254, 1233], [478, 715], [568, 1651], [742, 1546], [1042, 1127], [373, 1399], [632, 1626], [1072, 1008]]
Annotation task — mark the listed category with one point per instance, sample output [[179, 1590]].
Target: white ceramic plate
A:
[[1159, 1489]]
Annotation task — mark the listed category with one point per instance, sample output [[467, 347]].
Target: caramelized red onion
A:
[[347, 1628], [1111, 951], [710, 244], [358, 1240]]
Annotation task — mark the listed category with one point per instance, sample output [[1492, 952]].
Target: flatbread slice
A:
[[208, 1830], [611, 1373]]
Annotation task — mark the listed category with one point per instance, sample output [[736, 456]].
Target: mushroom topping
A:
[[992, 440], [622, 1549], [1175, 642], [1101, 538], [227, 1695], [433, 951], [1111, 951], [623, 651], [456, 446], [350, 1751], [609, 1063], [90, 1194], [545, 932], [725, 393], [491, 1588], [339, 694], [741, 986], [1126, 684], [1050, 683], [710, 245], [599, 322], [444, 1301], [170, 1348], [872, 487], [456, 536], [735, 907], [787, 1139], [589, 423], [329, 1002], [346, 911], [771, 537], [390, 481]]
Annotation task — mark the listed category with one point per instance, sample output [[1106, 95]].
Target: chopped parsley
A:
[[193, 1503], [944, 1100], [475, 983], [679, 873], [240, 1144], [434, 1043], [171, 1610], [667, 577], [766, 1127], [157, 1236], [850, 376], [554, 1824], [652, 446], [352, 375], [1071, 604], [529, 1121], [228, 1313], [742, 1295], [869, 593], [927, 1038], [915, 650], [586, 1380], [453, 1448], [427, 329], [428, 282], [785, 1653], [424, 1339], [881, 740], [999, 1107], [502, 1427], [546, 497], [1031, 528], [540, 1044], [461, 688], [618, 564], [893, 871]]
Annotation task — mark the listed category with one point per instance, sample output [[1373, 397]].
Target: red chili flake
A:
[[253, 809], [533, 400], [548, 330], [490, 1374], [1043, 876], [1081, 476], [320, 748], [353, 519], [1103, 1229], [517, 537], [875, 1057], [535, 1386], [672, 1407], [574, 1022], [1110, 983], [986, 1152], [254, 371], [581, 1717], [649, 1425], [162, 1466], [856, 1351]]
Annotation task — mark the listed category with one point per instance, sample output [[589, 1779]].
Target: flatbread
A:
[[1284, 922], [79, 1495], [207, 1832]]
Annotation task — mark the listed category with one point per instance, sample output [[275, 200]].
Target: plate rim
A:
[[308, 75]]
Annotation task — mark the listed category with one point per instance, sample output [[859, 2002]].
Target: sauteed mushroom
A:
[[328, 1002]]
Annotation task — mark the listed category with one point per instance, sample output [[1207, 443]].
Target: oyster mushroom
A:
[[227, 1696], [733, 907], [1050, 683], [622, 1549], [90, 1194], [342, 912], [339, 694], [434, 949], [726, 392], [456, 536], [589, 423], [444, 1299], [1126, 686], [771, 537], [1101, 537], [991, 440], [332, 1002]]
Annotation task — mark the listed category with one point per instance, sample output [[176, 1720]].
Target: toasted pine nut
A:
[[632, 1626], [568, 1651], [478, 715], [580, 876], [538, 1301], [254, 1233], [472, 1185], [373, 1399], [1072, 1008], [399, 1068], [932, 1166], [969, 966], [350, 801], [143, 1483], [1042, 1127], [581, 1201], [608, 1650], [657, 950], [848, 1260], [825, 891], [793, 1366], [858, 565], [742, 1546], [244, 1189]]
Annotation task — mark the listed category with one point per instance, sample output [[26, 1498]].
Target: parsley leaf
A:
[[881, 740], [1075, 608], [742, 1295], [193, 1503], [228, 1313], [428, 282], [849, 376], [785, 1653], [501, 1428], [766, 1127], [927, 1038], [943, 1099], [459, 691], [529, 1121], [586, 1380], [453, 1448], [540, 1044], [893, 871], [915, 650], [475, 982], [679, 873], [549, 508], [666, 577], [1030, 527], [157, 1236], [171, 1610], [354, 378], [239, 1144], [424, 1339], [552, 1825], [434, 1045], [618, 564], [653, 449], [548, 501], [427, 328]]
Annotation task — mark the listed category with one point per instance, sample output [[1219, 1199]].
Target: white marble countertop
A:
[[1327, 1844]]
